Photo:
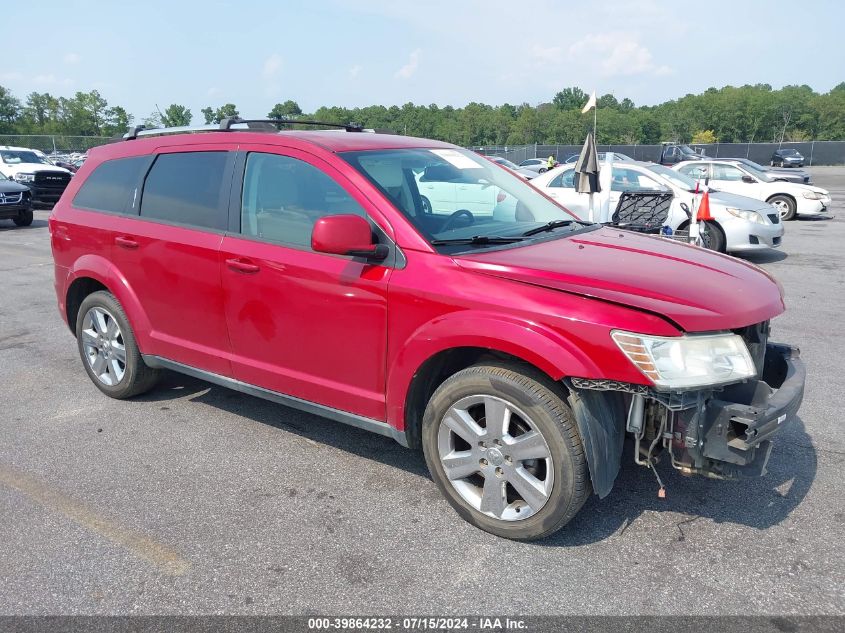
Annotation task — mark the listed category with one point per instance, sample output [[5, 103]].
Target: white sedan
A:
[[739, 223], [791, 199]]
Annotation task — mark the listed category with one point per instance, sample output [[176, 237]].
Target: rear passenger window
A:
[[187, 188], [283, 198], [110, 185]]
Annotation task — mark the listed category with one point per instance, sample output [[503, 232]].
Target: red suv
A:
[[417, 290]]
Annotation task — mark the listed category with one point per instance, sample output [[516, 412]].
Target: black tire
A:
[[543, 402], [137, 378], [788, 202], [426, 205], [24, 218], [712, 238]]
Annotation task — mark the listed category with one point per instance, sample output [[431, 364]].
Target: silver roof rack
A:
[[237, 124]]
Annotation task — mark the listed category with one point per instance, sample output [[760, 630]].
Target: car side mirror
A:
[[748, 179], [349, 235]]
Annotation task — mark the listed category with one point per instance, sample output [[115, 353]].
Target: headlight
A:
[[812, 195], [687, 361], [744, 214], [24, 177]]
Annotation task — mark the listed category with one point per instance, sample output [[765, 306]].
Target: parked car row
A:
[[31, 168], [748, 204]]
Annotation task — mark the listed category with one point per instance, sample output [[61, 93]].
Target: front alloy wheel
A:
[[503, 447], [495, 457]]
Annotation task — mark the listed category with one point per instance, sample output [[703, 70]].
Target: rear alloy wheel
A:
[[24, 218], [108, 349], [785, 206], [504, 449]]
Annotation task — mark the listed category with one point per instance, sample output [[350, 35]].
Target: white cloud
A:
[[407, 71], [614, 54], [51, 80], [546, 54], [272, 65], [213, 91], [71, 58], [13, 76], [355, 71]]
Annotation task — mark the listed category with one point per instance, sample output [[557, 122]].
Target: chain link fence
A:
[[814, 152], [49, 143]]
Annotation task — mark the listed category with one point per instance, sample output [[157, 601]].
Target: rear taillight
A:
[[501, 197]]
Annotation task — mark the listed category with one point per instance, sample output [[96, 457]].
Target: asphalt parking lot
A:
[[196, 499]]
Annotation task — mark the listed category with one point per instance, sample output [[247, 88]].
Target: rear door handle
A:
[[240, 265], [125, 242]]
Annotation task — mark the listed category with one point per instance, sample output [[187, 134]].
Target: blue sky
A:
[[363, 52]]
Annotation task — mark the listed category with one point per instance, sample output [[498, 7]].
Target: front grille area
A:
[[775, 218], [11, 198], [756, 337], [52, 179]]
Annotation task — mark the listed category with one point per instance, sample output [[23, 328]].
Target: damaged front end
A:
[[722, 432]]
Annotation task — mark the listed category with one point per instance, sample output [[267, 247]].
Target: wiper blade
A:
[[551, 226], [478, 240]]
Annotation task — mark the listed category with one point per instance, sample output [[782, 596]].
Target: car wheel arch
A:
[[91, 274], [429, 355]]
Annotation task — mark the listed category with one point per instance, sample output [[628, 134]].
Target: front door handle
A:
[[125, 242], [240, 265]]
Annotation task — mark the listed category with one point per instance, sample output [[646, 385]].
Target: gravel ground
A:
[[195, 499]]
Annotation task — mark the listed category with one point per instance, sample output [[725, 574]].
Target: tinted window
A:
[[110, 185], [187, 188], [284, 197]]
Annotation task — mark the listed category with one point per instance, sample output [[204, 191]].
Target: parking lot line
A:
[[164, 558]]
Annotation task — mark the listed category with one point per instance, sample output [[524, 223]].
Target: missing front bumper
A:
[[727, 434]]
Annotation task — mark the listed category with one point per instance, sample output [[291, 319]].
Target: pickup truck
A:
[[674, 153]]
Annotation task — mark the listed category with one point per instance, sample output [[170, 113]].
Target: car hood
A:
[[736, 201], [696, 289], [31, 168], [9, 186]]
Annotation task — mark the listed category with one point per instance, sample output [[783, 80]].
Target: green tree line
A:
[[728, 115]]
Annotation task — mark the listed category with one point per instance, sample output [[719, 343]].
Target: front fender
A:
[[542, 347], [102, 270]]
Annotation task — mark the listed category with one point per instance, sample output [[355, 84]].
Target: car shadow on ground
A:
[[8, 225], [767, 256], [758, 503]]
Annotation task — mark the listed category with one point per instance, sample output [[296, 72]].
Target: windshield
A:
[[505, 162], [451, 194], [15, 157], [789, 152], [675, 177], [686, 150]]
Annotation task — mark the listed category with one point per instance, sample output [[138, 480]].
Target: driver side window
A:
[[283, 198]]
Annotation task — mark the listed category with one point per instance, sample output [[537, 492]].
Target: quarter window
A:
[[187, 188], [283, 198], [110, 185]]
